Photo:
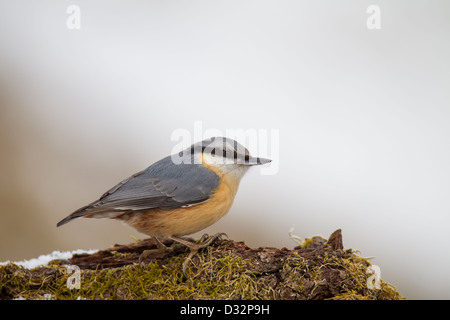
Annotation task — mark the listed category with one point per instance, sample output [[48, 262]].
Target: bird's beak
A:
[[255, 161]]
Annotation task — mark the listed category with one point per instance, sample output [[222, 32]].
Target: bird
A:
[[178, 195]]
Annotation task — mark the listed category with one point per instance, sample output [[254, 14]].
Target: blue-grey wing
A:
[[163, 185]]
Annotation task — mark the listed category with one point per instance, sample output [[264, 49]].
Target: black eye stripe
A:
[[225, 152]]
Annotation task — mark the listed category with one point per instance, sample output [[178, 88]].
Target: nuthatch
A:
[[178, 195]]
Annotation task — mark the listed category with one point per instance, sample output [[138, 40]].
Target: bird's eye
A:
[[213, 152], [235, 154], [224, 153]]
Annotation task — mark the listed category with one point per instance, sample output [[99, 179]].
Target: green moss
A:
[[351, 295], [222, 278], [217, 272]]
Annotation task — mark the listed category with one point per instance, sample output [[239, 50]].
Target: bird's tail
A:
[[77, 214]]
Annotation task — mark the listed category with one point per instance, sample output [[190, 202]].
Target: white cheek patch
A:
[[215, 160]]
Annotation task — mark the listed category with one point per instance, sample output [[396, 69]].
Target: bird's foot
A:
[[160, 248], [206, 240]]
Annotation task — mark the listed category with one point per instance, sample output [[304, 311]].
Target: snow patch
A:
[[43, 260]]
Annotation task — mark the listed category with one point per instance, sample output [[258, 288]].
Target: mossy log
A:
[[319, 269]]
